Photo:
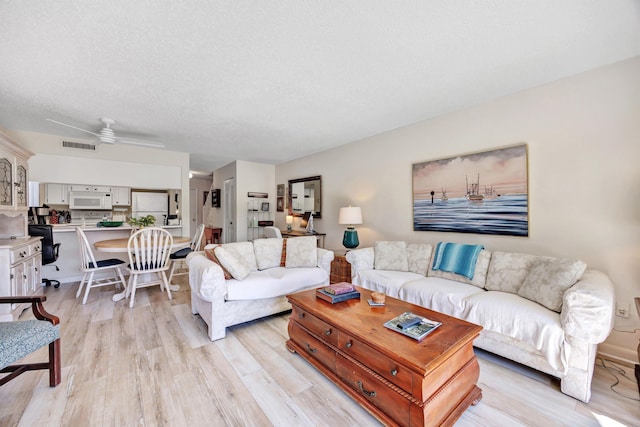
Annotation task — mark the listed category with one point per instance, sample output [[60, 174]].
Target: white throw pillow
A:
[[244, 251], [419, 257], [549, 278], [479, 274], [391, 256], [508, 271], [302, 252], [235, 265], [268, 252]]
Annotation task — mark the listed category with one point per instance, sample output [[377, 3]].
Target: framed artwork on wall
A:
[[280, 190], [280, 204], [482, 193]]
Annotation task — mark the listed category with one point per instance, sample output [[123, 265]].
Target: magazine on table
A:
[[412, 325]]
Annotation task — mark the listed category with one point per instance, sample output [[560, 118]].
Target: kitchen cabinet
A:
[[20, 273], [91, 188], [121, 196], [56, 194]]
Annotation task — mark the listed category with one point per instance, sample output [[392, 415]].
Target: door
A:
[[229, 232], [196, 214]]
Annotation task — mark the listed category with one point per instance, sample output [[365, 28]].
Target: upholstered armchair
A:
[[22, 337]]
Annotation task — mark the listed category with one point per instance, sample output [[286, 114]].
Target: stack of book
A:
[[337, 292]]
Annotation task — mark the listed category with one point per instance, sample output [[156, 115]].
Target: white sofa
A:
[[223, 302], [546, 313]]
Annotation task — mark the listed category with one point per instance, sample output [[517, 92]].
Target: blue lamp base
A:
[[350, 239]]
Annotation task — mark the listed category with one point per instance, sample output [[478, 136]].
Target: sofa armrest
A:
[[360, 259], [588, 307], [325, 257], [206, 278]]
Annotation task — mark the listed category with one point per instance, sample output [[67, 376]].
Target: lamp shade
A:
[[289, 219], [350, 215]]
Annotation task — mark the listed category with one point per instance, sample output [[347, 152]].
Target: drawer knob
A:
[[349, 344], [311, 350], [394, 372], [366, 392], [327, 332], [301, 316]]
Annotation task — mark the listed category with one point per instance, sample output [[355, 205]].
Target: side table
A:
[[340, 268]]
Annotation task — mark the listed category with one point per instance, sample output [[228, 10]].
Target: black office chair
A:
[[49, 249]]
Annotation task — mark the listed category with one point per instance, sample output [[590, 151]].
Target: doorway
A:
[[229, 232]]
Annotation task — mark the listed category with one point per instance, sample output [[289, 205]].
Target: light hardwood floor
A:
[[154, 366]]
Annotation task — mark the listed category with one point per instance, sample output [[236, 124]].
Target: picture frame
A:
[[255, 194], [215, 198], [280, 204], [483, 193], [265, 207], [280, 190]]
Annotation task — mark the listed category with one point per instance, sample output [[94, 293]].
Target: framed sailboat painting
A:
[[482, 193]]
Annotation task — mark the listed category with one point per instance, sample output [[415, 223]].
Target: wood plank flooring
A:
[[154, 366]]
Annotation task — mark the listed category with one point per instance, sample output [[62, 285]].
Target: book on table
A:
[[339, 288], [326, 296], [412, 325]]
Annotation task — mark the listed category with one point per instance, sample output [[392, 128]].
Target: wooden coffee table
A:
[[399, 380]]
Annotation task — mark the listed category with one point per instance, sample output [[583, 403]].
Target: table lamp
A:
[[289, 220], [350, 216]]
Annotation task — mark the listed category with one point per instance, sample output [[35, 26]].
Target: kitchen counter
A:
[[65, 228]]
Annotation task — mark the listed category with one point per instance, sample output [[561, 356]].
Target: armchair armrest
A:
[[36, 306], [587, 308], [206, 278], [325, 257], [360, 259]]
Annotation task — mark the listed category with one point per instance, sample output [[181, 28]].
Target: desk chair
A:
[[271, 232], [149, 249], [89, 266], [20, 338], [179, 257], [49, 249]]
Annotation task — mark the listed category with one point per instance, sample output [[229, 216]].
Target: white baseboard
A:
[[618, 354]]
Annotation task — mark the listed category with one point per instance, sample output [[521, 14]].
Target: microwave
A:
[[90, 200]]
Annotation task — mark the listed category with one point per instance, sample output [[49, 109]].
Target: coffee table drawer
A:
[[374, 391], [381, 364], [315, 325], [312, 347]]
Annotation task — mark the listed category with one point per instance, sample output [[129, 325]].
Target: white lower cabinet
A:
[[20, 273]]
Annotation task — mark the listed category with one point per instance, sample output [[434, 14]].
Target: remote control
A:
[[412, 321]]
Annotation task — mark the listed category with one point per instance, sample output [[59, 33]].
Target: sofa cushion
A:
[[418, 257], [391, 256], [302, 252], [211, 254], [275, 282], [268, 252], [443, 295], [508, 314], [388, 282], [549, 278], [508, 270], [243, 250], [479, 275], [233, 263]]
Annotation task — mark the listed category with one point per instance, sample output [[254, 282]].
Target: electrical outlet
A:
[[623, 310]]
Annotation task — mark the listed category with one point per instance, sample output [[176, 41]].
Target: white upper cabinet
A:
[[56, 194], [121, 196]]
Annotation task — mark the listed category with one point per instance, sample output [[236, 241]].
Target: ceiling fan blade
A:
[[140, 142], [73, 127]]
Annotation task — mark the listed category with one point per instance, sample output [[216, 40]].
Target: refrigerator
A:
[[156, 204]]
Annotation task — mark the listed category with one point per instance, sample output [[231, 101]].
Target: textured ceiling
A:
[[270, 81]]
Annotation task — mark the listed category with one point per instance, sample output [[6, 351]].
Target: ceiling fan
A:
[[107, 135]]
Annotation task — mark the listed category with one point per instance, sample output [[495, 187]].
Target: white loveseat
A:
[[546, 313], [271, 273]]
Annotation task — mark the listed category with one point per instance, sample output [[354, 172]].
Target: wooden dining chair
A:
[[178, 257], [89, 266], [149, 249]]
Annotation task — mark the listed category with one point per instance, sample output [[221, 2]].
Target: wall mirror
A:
[[305, 195]]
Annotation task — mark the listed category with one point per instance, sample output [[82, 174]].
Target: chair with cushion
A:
[[21, 338], [272, 232], [89, 266], [179, 257], [49, 249], [149, 249]]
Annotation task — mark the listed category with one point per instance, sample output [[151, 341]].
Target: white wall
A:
[[583, 136]]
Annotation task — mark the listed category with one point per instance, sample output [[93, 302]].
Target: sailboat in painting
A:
[[473, 190]]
